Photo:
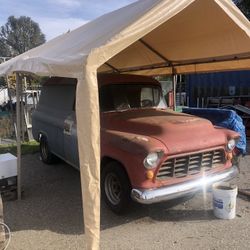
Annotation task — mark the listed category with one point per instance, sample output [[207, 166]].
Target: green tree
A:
[[4, 49], [19, 35], [2, 82]]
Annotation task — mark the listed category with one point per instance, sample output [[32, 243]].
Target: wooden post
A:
[[21, 111], [18, 138], [180, 91], [11, 104], [174, 80], [26, 111], [26, 101], [33, 99]]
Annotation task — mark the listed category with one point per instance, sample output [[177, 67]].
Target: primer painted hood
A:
[[179, 132]]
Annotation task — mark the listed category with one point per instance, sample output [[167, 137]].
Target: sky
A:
[[56, 17]]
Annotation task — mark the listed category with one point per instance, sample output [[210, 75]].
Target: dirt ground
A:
[[50, 217]]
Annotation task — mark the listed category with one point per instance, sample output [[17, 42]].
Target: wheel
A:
[[46, 156], [115, 187]]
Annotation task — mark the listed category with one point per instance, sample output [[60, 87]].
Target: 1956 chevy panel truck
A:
[[148, 152]]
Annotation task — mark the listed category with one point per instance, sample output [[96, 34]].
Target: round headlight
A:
[[151, 160], [231, 144]]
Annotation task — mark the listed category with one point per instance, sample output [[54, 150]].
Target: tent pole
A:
[[174, 81], [18, 138]]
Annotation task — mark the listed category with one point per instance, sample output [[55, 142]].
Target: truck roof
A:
[[106, 79]]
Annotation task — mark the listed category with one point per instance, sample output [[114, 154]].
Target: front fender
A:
[[130, 150]]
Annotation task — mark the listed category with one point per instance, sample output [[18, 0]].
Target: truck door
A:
[[70, 141]]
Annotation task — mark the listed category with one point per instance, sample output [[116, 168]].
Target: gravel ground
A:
[[50, 216]]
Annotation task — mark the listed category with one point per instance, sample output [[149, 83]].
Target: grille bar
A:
[[191, 164]]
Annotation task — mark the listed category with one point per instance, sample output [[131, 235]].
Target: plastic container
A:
[[224, 200], [8, 165]]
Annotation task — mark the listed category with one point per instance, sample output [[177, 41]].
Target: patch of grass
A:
[[26, 148]]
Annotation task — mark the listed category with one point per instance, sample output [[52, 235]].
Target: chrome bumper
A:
[[150, 196]]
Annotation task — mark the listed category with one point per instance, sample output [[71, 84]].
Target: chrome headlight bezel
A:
[[231, 145], [152, 159]]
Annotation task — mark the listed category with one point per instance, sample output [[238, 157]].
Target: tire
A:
[[46, 156], [115, 187]]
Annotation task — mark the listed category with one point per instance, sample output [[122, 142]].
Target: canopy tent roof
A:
[[148, 37]]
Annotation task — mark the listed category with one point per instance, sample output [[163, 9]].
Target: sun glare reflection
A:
[[204, 190]]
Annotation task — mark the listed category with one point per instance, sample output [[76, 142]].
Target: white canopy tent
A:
[[149, 37]]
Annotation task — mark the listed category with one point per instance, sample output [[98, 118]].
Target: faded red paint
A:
[[128, 136]]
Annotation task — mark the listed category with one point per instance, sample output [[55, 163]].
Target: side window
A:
[[156, 95]]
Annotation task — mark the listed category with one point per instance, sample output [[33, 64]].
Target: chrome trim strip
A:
[[150, 196]]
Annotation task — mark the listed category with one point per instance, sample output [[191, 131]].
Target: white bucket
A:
[[224, 200]]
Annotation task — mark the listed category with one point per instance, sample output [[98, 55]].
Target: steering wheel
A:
[[146, 103]]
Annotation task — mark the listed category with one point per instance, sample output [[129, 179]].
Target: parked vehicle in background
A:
[[3, 96], [30, 100], [148, 152]]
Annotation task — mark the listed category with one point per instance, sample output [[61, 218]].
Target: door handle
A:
[[67, 127]]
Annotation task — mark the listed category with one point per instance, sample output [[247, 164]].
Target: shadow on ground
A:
[[52, 201]]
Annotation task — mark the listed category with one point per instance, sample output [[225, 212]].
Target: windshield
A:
[[129, 96]]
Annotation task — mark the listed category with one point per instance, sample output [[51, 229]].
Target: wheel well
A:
[[105, 160], [40, 135]]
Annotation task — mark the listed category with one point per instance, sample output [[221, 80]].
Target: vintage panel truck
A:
[[148, 152]]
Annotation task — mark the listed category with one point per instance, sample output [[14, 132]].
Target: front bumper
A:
[[149, 196]]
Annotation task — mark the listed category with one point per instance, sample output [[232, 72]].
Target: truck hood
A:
[[180, 133]]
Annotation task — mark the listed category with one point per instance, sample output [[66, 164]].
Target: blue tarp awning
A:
[[223, 118]]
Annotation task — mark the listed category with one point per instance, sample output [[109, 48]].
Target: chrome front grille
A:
[[191, 164]]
